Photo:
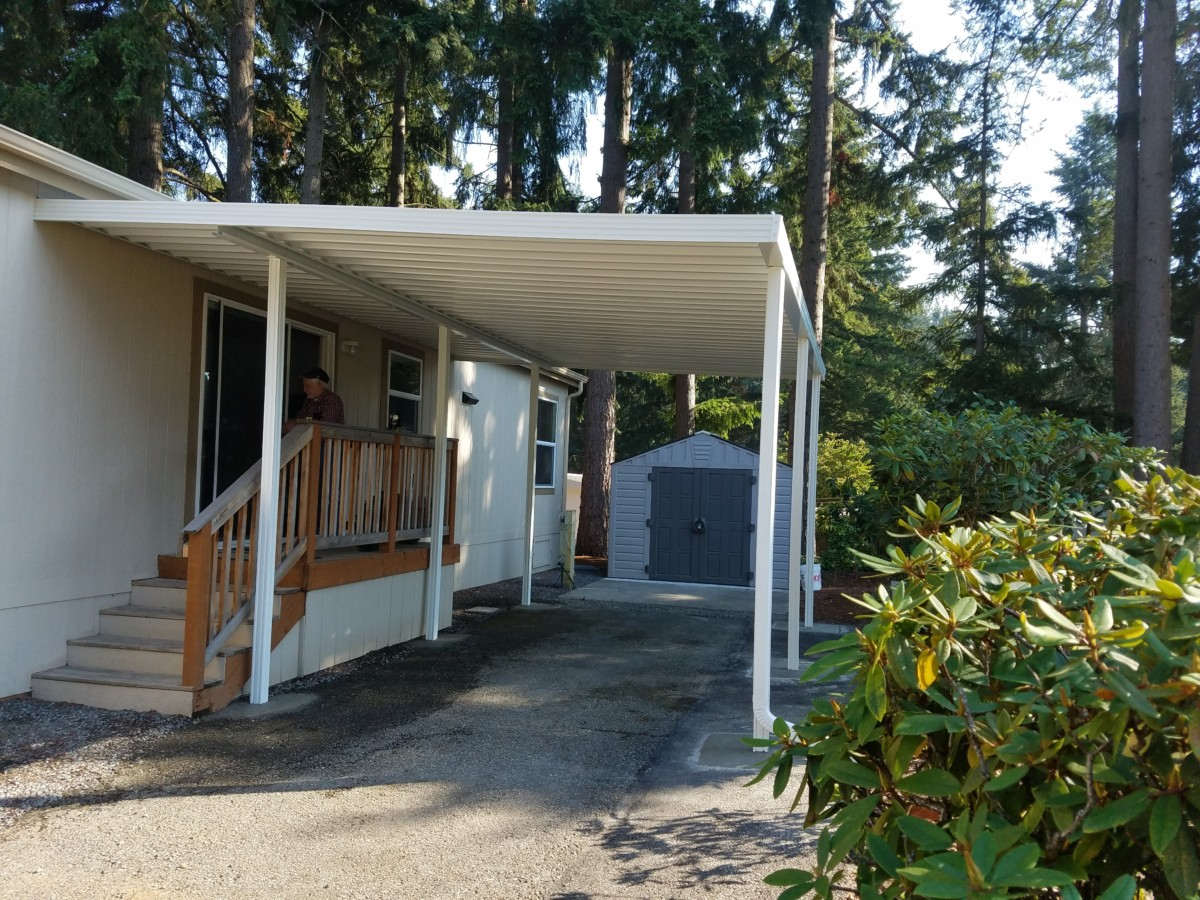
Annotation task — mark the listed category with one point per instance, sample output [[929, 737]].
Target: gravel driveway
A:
[[549, 752]]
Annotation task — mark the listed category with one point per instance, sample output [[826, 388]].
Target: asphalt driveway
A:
[[570, 751]]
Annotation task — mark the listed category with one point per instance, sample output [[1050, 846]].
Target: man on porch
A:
[[320, 403]]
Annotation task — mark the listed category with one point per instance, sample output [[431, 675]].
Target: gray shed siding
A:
[[628, 536]]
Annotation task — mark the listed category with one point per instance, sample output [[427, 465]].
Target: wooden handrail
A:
[[248, 482], [340, 486]]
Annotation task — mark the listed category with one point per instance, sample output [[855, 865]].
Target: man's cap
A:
[[318, 373]]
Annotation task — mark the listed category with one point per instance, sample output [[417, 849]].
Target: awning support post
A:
[[535, 377], [765, 513], [268, 498], [433, 581], [796, 532], [810, 530]]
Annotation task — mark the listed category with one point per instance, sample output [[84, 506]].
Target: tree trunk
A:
[[504, 137], [685, 385], [1190, 459], [398, 164], [815, 233], [599, 448], [240, 136], [314, 135], [145, 164], [1152, 281], [600, 410], [685, 406], [981, 225], [618, 94], [1124, 339]]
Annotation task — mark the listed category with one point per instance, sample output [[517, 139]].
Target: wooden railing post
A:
[[198, 609], [314, 495], [393, 510]]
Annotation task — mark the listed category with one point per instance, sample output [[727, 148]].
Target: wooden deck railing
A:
[[339, 486]]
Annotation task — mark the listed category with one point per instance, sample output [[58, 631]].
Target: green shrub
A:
[[1023, 718], [996, 459], [843, 466]]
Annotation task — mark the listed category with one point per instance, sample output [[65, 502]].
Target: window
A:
[[404, 392], [547, 443]]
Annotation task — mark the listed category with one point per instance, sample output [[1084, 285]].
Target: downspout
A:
[[764, 550]]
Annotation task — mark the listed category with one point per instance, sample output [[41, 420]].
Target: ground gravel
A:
[[54, 753]]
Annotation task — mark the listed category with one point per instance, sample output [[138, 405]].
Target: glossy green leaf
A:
[[924, 723], [883, 854], [1123, 888], [788, 877], [930, 783], [1116, 812], [849, 772], [925, 835], [1166, 815], [1180, 865], [1020, 859], [876, 692], [1006, 779]]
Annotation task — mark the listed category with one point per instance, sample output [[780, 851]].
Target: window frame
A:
[[552, 444], [389, 393]]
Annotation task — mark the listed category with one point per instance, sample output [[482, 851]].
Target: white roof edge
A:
[[58, 168], [794, 305], [732, 229]]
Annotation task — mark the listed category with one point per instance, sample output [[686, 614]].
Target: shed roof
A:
[[700, 436]]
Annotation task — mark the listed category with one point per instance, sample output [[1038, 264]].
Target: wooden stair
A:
[[136, 660]]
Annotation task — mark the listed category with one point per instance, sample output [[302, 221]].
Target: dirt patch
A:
[[830, 605]]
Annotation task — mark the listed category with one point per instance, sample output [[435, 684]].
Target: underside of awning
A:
[[577, 291]]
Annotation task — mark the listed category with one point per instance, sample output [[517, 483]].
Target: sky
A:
[[1052, 117]]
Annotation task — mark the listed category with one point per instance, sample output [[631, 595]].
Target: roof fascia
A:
[[778, 252], [747, 230], [46, 164]]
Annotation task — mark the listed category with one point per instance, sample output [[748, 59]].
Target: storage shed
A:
[[684, 512]]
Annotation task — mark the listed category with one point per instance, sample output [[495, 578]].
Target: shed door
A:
[[700, 525]]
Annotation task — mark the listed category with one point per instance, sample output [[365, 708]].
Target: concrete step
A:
[[168, 593], [113, 690], [143, 622], [123, 653]]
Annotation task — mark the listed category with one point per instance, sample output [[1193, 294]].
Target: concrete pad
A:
[[444, 640], [483, 610], [716, 597], [276, 705], [726, 751]]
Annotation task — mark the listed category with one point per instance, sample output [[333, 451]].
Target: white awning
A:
[[559, 290]]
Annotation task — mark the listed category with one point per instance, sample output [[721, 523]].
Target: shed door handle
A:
[[699, 526]]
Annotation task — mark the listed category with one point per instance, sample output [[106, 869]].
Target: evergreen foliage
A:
[[1021, 716], [994, 458]]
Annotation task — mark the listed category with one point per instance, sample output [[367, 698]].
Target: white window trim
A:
[[553, 483], [404, 395]]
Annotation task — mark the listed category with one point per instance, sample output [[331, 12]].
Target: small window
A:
[[547, 443], [404, 392]]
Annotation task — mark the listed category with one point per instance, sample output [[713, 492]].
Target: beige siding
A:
[[492, 474], [32, 637], [95, 368], [344, 623]]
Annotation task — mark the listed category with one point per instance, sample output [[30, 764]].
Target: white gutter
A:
[[49, 165]]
